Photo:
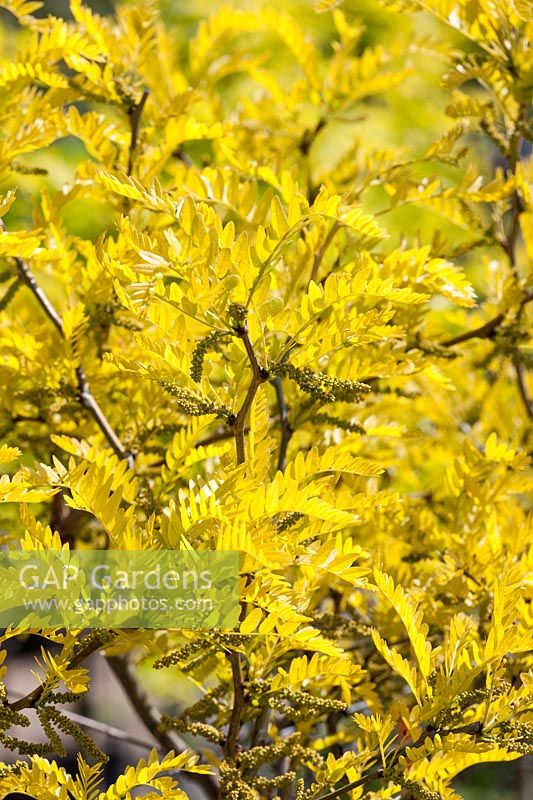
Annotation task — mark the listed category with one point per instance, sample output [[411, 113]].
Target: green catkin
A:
[[9, 717], [60, 698], [183, 725], [209, 342], [336, 422], [300, 789], [338, 626], [262, 754], [288, 520], [207, 705], [300, 705], [237, 317], [279, 782], [322, 387], [182, 655], [25, 748], [52, 716], [194, 405], [232, 785], [45, 718]]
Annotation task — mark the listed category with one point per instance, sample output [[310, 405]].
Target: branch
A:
[[85, 395], [232, 739], [151, 717], [259, 376], [134, 114], [30, 700], [27, 277], [374, 775], [487, 330], [286, 429], [522, 388], [472, 729], [322, 251], [89, 402], [218, 436]]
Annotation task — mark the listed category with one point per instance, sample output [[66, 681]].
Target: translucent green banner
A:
[[119, 589]]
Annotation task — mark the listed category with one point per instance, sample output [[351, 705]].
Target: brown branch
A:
[[218, 435], [28, 278], [259, 376], [487, 330], [522, 388], [380, 773], [151, 717], [374, 775], [322, 250], [286, 428], [30, 700], [239, 702], [85, 395], [134, 114]]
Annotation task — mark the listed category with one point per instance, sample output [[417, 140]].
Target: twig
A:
[[88, 401], [522, 388], [134, 114], [27, 277], [31, 699], [232, 739], [259, 376], [85, 395], [472, 729], [487, 330], [218, 436], [286, 429], [151, 717], [374, 775], [321, 252]]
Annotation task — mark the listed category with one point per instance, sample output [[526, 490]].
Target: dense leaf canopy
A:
[[265, 286]]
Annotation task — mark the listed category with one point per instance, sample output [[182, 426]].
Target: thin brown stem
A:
[[134, 114], [259, 375], [286, 428], [239, 702], [485, 331], [472, 729], [374, 775], [31, 699], [85, 394], [28, 278], [509, 243], [151, 717], [218, 436], [522, 388], [488, 329], [321, 252], [240, 419]]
